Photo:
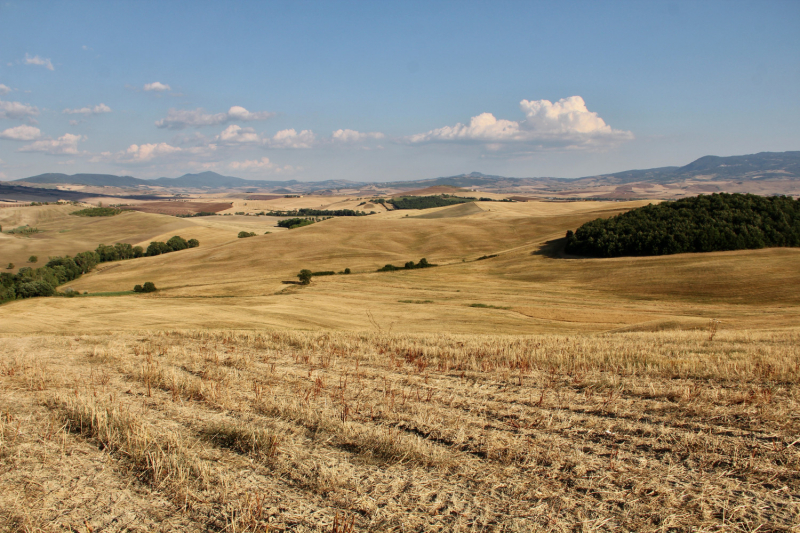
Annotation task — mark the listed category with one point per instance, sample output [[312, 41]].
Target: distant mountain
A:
[[764, 165], [212, 180], [740, 167], [97, 180]]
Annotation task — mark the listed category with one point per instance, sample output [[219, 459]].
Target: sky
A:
[[386, 91]]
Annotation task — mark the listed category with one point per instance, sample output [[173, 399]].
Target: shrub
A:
[[10, 266], [177, 243], [149, 286], [138, 288], [292, 223], [97, 212], [33, 259], [305, 276], [324, 273], [423, 263], [346, 270], [245, 234], [193, 243]]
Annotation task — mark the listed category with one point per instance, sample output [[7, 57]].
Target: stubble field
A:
[[521, 392]]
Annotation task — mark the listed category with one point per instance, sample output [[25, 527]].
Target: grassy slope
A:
[[230, 282]]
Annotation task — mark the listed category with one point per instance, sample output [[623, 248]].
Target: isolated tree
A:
[[33, 259], [305, 276], [193, 243], [138, 288], [346, 270], [149, 287]]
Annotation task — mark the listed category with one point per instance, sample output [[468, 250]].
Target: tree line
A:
[[29, 282], [710, 223]]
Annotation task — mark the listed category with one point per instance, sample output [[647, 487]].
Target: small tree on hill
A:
[[33, 259], [305, 276], [138, 288], [149, 287]]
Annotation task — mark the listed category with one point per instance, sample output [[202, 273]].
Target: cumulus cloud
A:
[[197, 118], [566, 123], [263, 164], [36, 60], [147, 152], [237, 134], [17, 110], [21, 133], [353, 136], [157, 86], [96, 110], [67, 144], [4, 89], [291, 139]]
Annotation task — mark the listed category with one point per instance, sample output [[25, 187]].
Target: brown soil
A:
[[180, 208]]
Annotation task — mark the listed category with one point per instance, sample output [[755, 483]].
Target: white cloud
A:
[[157, 86], [263, 164], [4, 89], [66, 144], [197, 118], [566, 123], [353, 136], [96, 110], [36, 60], [237, 134], [21, 133], [146, 152], [16, 110], [291, 139]]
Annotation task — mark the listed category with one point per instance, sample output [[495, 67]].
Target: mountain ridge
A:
[[761, 165]]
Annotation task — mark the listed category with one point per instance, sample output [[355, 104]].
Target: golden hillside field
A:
[[339, 431], [519, 392]]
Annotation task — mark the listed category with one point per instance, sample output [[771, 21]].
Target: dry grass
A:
[[243, 431]]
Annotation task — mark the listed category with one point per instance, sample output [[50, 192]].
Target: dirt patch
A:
[[180, 208], [264, 197]]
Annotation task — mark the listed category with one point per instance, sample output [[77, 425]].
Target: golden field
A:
[[636, 394]]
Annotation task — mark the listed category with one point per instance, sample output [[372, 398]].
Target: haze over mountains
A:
[[763, 173]]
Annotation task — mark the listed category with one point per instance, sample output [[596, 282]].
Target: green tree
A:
[[149, 286], [193, 243], [33, 259], [177, 243], [10, 266], [305, 276], [138, 288]]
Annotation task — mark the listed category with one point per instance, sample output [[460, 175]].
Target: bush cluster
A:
[[97, 212], [423, 263], [149, 286], [698, 224], [30, 282], [245, 234], [426, 202], [292, 223]]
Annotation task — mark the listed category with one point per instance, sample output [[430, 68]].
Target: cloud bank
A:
[[4, 89], [566, 123], [96, 110], [21, 133], [17, 110], [179, 119], [67, 144]]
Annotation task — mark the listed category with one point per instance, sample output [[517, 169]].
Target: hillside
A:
[[763, 173], [701, 224]]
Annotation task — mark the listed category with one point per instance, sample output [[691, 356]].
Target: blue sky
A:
[[377, 91]]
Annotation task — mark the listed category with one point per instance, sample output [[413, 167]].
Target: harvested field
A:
[[298, 431], [428, 191], [180, 208], [264, 197]]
